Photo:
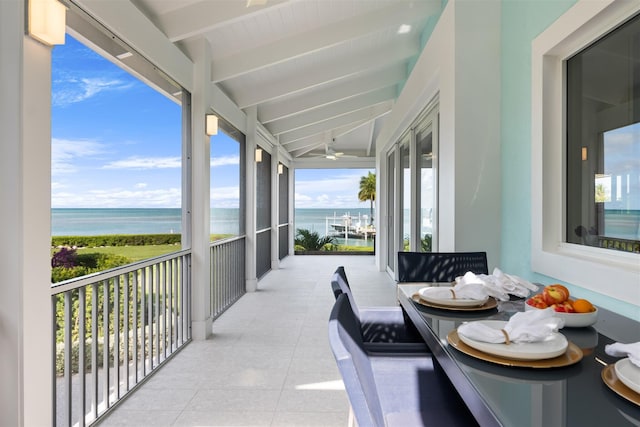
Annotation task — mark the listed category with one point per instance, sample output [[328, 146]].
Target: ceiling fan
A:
[[331, 154]]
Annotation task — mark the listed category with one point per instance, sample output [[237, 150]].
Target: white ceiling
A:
[[320, 72]]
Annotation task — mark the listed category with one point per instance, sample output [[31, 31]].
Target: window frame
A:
[[600, 270]]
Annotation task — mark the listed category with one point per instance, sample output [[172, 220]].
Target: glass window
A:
[[391, 213], [227, 218], [603, 142], [405, 160], [424, 148]]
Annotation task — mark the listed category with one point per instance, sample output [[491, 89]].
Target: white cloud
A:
[[119, 198], [65, 151], [141, 185], [145, 163], [77, 90], [302, 197], [224, 161], [223, 193], [338, 183], [339, 191]]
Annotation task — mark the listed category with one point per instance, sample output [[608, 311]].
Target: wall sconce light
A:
[[258, 155], [584, 153], [47, 21], [280, 168], [211, 125]]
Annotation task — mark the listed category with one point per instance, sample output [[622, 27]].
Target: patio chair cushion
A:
[[381, 325], [386, 390], [439, 266]]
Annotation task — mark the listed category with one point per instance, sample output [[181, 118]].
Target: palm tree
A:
[[311, 240], [368, 191]]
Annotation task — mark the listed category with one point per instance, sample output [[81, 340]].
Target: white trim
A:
[[605, 271]]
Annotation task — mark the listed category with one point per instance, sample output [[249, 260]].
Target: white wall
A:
[[460, 65]]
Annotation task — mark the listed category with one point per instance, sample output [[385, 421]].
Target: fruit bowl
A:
[[572, 320]]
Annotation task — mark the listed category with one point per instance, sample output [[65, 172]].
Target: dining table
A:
[[580, 391]]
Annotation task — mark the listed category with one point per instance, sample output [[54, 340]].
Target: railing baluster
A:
[[54, 367], [116, 337], [82, 302], [94, 350], [165, 278], [68, 347], [105, 342], [174, 312], [125, 323], [134, 322], [144, 316], [156, 307], [150, 319]]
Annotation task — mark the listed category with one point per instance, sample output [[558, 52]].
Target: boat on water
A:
[[350, 227]]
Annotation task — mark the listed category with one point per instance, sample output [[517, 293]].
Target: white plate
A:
[[572, 320], [629, 374], [453, 302], [552, 347]]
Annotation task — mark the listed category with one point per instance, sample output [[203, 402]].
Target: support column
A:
[[251, 220], [200, 190], [26, 336], [292, 209], [275, 209]]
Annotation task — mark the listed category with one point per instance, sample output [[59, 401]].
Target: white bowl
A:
[[572, 320]]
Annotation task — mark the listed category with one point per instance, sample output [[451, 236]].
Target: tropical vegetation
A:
[[368, 191], [312, 241]]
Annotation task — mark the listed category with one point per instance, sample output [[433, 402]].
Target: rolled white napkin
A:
[[631, 350], [470, 291], [524, 326], [500, 283], [471, 279]]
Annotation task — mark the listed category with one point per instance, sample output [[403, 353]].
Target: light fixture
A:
[[258, 155], [584, 153], [47, 21], [211, 125], [280, 168], [404, 29]]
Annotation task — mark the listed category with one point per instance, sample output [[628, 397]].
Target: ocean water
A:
[[91, 222]]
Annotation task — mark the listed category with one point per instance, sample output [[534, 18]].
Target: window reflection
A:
[[603, 142]]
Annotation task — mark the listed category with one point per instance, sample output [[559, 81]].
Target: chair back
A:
[[340, 285], [353, 363], [439, 266]]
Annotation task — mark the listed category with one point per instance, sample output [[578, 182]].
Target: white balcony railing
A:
[[118, 326], [227, 275], [113, 329]]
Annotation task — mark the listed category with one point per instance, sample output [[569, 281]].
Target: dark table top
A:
[[498, 395]]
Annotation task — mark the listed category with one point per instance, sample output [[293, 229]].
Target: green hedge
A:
[[115, 240]]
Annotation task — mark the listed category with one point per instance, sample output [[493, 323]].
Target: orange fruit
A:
[[583, 306]]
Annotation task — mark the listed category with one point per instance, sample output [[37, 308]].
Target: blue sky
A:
[[116, 142]]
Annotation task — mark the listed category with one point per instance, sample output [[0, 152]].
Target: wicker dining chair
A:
[[439, 266]]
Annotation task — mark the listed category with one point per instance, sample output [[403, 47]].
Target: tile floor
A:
[[268, 362]]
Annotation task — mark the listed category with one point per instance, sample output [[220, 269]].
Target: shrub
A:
[[116, 240], [311, 240], [330, 247], [65, 257]]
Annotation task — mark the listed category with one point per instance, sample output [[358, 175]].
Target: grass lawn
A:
[[134, 253], [355, 248], [139, 253]]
